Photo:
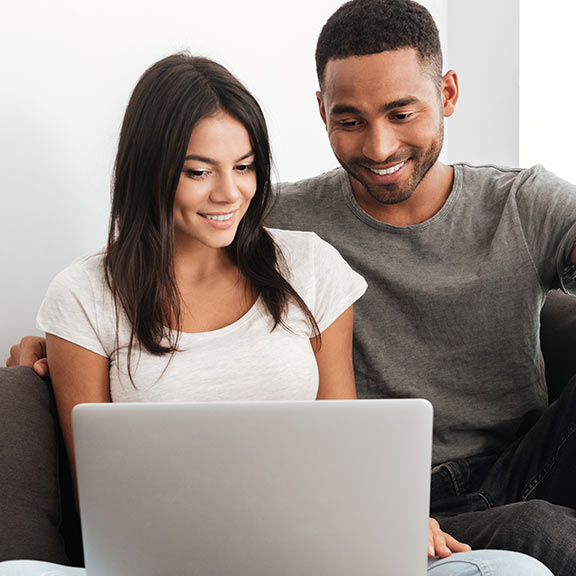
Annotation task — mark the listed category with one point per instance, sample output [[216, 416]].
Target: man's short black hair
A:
[[362, 27]]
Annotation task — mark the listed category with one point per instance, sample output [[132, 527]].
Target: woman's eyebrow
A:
[[207, 160]]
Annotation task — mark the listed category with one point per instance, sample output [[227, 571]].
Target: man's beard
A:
[[421, 162]]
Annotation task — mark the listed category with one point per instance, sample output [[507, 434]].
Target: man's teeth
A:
[[387, 171], [219, 217]]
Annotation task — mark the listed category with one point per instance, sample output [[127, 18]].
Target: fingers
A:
[[32, 348], [455, 545], [14, 356], [442, 544], [41, 367], [28, 352], [436, 546]]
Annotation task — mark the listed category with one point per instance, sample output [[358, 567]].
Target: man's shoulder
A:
[[315, 185], [502, 174], [295, 202], [521, 183]]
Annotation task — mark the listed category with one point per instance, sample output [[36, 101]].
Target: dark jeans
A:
[[523, 499]]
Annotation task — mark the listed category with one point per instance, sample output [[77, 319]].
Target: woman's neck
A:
[[214, 293], [198, 265]]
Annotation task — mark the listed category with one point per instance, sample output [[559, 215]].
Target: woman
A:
[[193, 299], [192, 292]]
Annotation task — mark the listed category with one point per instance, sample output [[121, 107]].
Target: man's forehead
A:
[[386, 76]]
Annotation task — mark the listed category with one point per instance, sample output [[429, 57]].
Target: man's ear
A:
[[449, 92], [321, 106]]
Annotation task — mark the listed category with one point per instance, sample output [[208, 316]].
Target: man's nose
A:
[[380, 143]]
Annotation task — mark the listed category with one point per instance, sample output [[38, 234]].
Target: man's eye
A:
[[403, 115], [348, 123]]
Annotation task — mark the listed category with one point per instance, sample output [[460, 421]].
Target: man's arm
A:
[[31, 352]]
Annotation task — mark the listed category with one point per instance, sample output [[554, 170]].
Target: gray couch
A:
[[37, 513]]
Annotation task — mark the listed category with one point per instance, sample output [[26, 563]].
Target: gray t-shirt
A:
[[452, 307]]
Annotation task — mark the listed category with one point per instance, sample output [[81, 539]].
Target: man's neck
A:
[[428, 198]]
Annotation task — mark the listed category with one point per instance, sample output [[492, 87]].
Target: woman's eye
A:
[[195, 173], [245, 167]]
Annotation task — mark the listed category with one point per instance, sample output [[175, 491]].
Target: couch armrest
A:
[[29, 479]]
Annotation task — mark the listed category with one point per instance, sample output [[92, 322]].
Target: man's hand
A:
[[442, 544], [30, 352]]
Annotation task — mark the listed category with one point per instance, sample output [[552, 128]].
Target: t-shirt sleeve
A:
[[320, 275], [547, 209], [73, 309], [336, 285]]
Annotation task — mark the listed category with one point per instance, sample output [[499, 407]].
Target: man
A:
[[458, 260]]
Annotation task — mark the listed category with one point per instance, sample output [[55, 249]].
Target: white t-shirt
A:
[[243, 361]]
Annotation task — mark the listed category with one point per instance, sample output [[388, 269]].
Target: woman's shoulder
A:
[[297, 242], [301, 246], [78, 306], [307, 253], [291, 236], [85, 271], [319, 274]]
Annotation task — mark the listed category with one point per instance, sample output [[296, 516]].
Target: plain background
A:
[[68, 67]]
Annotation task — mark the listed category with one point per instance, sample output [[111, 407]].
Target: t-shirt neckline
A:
[[374, 223]]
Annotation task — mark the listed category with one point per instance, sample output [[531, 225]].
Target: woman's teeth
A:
[[218, 217]]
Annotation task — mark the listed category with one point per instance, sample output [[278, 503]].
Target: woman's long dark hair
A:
[[171, 97]]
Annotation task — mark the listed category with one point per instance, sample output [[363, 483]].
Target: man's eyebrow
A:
[[400, 103], [343, 109], [207, 160], [340, 109]]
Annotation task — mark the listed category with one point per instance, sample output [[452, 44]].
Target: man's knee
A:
[[535, 527], [516, 521], [533, 512]]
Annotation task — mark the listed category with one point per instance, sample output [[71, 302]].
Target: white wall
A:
[[68, 67], [548, 85], [483, 48], [67, 70]]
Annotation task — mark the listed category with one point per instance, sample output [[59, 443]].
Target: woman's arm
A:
[[334, 359], [78, 375]]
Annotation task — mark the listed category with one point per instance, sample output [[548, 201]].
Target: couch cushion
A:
[[29, 483], [558, 334]]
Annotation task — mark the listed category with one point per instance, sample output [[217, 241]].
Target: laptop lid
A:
[[318, 488]]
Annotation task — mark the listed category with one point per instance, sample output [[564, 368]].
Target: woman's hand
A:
[[442, 544]]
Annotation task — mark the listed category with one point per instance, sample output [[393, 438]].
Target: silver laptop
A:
[[325, 488]]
